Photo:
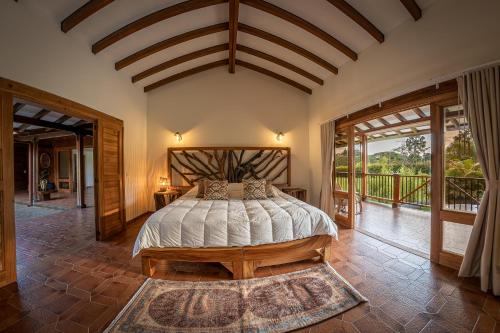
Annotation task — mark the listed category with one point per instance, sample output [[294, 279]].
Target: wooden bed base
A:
[[242, 261]]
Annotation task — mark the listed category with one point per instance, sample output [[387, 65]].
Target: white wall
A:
[[452, 35], [215, 108], [34, 51]]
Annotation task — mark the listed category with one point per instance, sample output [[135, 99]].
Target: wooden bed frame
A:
[[242, 261], [188, 165]]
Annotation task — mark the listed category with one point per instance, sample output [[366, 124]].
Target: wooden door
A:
[[7, 230], [63, 169], [110, 203]]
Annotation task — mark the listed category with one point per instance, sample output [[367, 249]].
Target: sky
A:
[[389, 145]]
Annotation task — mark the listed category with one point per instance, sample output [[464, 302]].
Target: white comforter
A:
[[194, 222]]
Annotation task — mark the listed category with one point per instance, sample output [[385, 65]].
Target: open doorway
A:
[[41, 122], [54, 197], [53, 160], [393, 174]]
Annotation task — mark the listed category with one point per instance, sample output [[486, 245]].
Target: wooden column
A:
[[34, 170], [351, 187], [396, 180], [31, 189], [437, 128], [364, 166], [80, 172]]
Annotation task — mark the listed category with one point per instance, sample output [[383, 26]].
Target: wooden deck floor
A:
[[407, 228]]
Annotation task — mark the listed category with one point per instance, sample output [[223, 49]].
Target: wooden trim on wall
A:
[[52, 101], [447, 90], [8, 231]]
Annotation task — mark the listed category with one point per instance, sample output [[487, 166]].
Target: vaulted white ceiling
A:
[[386, 15]]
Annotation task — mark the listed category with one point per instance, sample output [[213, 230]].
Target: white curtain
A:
[[480, 95], [327, 153]]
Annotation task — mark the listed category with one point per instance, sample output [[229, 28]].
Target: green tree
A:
[[461, 157], [413, 150]]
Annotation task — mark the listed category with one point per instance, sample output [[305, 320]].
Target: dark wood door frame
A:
[[8, 91]]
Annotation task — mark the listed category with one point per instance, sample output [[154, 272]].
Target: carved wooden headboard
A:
[[188, 165]]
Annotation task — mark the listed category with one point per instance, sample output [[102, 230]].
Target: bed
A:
[[240, 234]]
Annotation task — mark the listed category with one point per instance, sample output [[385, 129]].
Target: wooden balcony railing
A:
[[461, 193]]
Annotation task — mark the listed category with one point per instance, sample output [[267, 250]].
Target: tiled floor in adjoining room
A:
[[68, 282]]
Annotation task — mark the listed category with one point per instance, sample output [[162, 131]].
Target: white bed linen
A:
[[197, 223]]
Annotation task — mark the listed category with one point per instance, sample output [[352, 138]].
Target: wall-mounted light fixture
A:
[[279, 136], [178, 136]]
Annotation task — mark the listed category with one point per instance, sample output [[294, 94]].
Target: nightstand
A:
[[297, 192], [162, 196]]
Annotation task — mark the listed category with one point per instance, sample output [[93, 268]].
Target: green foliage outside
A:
[[412, 158]]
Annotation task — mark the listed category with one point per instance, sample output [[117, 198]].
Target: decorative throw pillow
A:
[[216, 190], [201, 189], [254, 189]]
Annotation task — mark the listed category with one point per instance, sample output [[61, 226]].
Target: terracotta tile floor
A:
[[68, 282], [59, 200]]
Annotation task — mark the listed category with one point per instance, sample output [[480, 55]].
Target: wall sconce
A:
[[164, 184], [279, 136], [178, 136]]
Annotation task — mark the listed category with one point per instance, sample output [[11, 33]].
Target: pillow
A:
[[254, 189], [216, 190], [201, 189]]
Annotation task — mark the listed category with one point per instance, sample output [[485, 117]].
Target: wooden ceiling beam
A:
[[38, 115], [399, 117], [62, 119], [301, 23], [148, 20], [88, 9], [30, 136], [288, 45], [273, 75], [419, 112], [43, 123], [383, 121], [18, 106], [414, 122], [179, 60], [80, 123], [357, 17], [157, 47], [367, 124], [413, 8], [280, 62], [234, 6], [184, 74]]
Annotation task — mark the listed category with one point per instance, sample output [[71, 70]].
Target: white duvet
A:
[[197, 223]]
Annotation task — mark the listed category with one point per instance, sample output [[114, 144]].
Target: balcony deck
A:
[[406, 228]]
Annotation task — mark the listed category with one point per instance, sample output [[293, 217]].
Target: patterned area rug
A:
[[272, 304]]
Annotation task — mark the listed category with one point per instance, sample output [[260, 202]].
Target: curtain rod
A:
[[435, 80]]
